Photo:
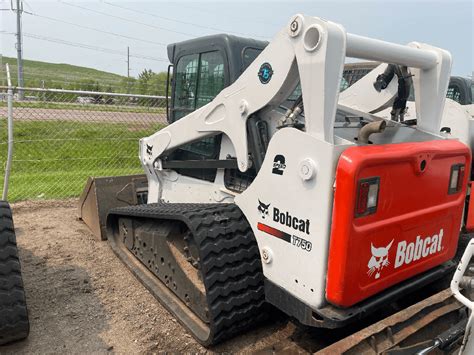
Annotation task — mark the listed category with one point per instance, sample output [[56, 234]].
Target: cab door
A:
[[198, 78]]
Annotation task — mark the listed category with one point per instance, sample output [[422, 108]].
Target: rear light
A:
[[456, 178], [367, 196]]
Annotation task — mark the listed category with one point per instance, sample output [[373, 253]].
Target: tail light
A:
[[367, 196], [456, 178]]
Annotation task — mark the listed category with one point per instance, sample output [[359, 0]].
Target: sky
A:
[[96, 34]]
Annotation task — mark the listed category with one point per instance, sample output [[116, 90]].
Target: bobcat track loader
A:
[[321, 210]]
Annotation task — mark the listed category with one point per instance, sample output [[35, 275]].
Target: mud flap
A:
[[104, 193]]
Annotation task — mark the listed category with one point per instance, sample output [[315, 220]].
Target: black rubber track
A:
[[14, 323], [229, 263]]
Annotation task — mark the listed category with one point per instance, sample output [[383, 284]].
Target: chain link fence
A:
[[61, 137]]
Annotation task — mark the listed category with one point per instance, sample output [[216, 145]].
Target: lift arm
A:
[[311, 51]]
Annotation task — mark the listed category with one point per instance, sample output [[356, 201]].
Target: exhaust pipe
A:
[[368, 129]]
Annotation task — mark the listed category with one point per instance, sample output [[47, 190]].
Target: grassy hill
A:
[[65, 76]]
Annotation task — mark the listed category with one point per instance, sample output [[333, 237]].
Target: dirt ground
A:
[[82, 299]]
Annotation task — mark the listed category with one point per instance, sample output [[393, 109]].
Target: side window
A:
[[211, 77], [351, 76], [199, 78], [186, 76], [454, 93], [297, 93], [249, 55], [344, 84]]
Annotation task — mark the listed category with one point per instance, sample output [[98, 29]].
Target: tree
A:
[[144, 81], [151, 83]]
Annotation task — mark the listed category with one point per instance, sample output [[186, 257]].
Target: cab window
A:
[[454, 93], [248, 56], [186, 82], [211, 77], [199, 78]]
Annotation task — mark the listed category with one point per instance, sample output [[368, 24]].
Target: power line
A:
[[240, 19], [91, 47], [98, 30], [27, 4], [180, 21], [125, 19]]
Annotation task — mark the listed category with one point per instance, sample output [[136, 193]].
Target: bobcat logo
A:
[[379, 260], [149, 149], [263, 209]]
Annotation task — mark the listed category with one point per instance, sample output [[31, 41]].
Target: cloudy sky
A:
[[96, 33]]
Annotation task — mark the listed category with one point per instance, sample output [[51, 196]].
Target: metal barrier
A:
[[63, 136]]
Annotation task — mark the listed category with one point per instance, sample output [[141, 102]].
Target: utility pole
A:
[[19, 10], [128, 70], [128, 62]]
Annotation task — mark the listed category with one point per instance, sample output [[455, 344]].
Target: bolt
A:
[[243, 107], [305, 169], [294, 26], [266, 255]]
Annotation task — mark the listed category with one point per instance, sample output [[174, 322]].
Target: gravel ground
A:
[[82, 299], [45, 114]]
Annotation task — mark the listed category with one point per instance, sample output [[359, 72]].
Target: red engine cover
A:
[[416, 224]]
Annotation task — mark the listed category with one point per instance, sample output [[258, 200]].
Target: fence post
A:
[[10, 134]]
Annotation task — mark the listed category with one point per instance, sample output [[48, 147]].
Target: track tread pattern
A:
[[229, 262], [14, 323]]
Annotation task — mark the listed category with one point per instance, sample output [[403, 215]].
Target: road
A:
[[27, 113]]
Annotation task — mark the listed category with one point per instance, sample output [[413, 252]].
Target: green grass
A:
[[53, 159], [87, 107], [36, 71]]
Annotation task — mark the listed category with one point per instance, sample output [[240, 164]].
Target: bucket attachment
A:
[[103, 193]]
